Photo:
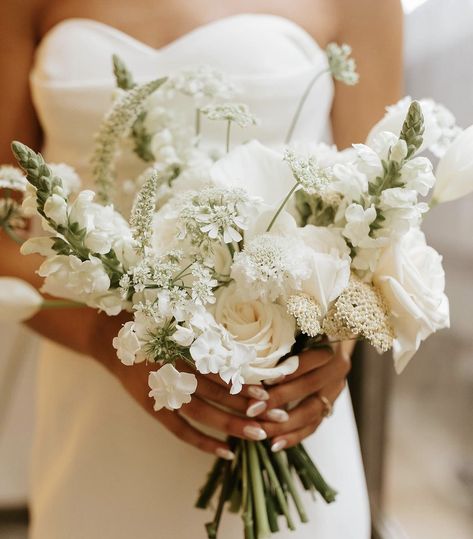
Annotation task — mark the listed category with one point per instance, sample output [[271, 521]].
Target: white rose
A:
[[127, 344], [455, 170], [265, 327], [18, 300], [329, 258], [257, 169], [411, 278], [55, 208]]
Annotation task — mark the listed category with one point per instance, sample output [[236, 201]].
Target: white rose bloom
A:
[[19, 300], [171, 388], [127, 344], [260, 171], [329, 259], [455, 170], [358, 219], [411, 278], [55, 208], [265, 327]]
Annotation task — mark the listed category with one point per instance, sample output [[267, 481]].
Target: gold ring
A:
[[328, 406]]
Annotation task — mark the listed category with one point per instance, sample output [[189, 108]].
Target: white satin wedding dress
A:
[[102, 467]]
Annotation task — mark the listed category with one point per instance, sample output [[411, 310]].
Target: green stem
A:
[[246, 502], [12, 235], [227, 144], [302, 101], [273, 478], [197, 122], [262, 523], [281, 207], [286, 474], [213, 480], [60, 304]]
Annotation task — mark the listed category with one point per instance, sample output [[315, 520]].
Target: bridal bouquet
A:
[[231, 261]]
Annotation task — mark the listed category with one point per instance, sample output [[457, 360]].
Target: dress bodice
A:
[[271, 59]]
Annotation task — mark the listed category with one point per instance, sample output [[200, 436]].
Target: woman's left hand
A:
[[315, 386]]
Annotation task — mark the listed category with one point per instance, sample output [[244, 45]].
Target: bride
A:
[[105, 465]]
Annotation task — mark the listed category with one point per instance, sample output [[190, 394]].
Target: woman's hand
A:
[[314, 386], [211, 396]]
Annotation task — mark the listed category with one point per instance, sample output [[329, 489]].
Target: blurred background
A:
[[416, 429]]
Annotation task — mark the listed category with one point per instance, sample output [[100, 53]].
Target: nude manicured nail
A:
[[258, 393], [278, 415], [255, 433], [275, 381], [277, 446], [225, 453], [256, 408]]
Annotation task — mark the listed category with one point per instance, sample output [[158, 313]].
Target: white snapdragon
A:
[[55, 208], [417, 174], [171, 388], [358, 221], [400, 210], [69, 178]]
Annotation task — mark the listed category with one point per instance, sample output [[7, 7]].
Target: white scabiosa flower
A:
[[19, 300], [342, 67], [127, 344], [171, 388]]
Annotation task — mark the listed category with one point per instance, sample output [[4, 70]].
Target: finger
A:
[[185, 432], [310, 360], [309, 411], [210, 391], [295, 437], [233, 425], [312, 382]]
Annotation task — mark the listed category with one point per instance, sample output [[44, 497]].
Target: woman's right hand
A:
[[211, 396]]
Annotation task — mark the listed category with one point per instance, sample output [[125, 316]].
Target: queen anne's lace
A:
[[238, 113], [360, 310], [201, 82], [342, 67], [307, 172]]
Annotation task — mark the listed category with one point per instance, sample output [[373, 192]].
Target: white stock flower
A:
[[127, 344], [69, 277], [411, 278], [208, 352], [55, 208], [19, 300], [171, 388], [455, 170], [358, 219], [265, 327]]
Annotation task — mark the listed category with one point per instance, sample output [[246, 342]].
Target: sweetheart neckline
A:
[[111, 30]]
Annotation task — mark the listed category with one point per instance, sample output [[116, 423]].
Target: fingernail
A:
[[277, 446], [258, 393], [255, 433], [278, 415], [274, 380], [256, 408], [225, 453]]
